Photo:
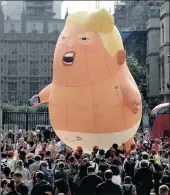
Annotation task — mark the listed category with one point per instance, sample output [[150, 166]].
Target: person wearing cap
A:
[[89, 182], [108, 187], [155, 145]]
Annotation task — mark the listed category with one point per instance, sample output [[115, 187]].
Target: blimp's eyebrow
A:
[[86, 34]]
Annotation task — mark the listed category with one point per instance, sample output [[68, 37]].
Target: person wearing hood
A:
[[41, 187], [127, 187]]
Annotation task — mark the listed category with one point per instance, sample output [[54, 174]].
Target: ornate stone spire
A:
[[23, 22], [1, 21], [45, 25]]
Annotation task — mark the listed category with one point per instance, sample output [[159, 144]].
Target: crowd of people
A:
[[39, 163]]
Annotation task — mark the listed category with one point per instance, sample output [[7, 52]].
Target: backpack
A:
[[127, 192], [129, 167], [58, 174], [48, 176]]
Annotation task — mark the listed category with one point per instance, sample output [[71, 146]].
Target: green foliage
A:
[[24, 108], [139, 74], [138, 71]]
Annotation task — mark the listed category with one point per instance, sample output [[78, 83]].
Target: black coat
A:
[[22, 189], [108, 187], [88, 184], [143, 180], [13, 193], [41, 187]]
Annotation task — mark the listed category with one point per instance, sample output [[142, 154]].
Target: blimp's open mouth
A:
[[68, 58]]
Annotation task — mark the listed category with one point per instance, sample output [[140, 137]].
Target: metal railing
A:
[[24, 120]]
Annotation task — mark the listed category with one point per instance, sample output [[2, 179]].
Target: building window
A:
[[12, 67], [12, 86], [12, 48], [34, 68], [162, 32]]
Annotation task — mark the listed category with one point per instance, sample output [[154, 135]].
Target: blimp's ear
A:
[[101, 21], [121, 57]]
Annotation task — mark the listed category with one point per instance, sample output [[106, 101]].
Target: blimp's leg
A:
[[42, 97], [131, 95]]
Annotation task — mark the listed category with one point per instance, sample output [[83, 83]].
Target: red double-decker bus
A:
[[160, 121]]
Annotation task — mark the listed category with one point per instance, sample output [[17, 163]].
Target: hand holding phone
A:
[[34, 100]]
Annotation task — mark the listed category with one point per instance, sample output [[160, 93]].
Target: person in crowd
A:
[[163, 190], [36, 165], [155, 145], [20, 144], [21, 156], [116, 175], [62, 147], [4, 159], [165, 180], [100, 157], [11, 136], [94, 152], [91, 180], [143, 179], [53, 147], [20, 169], [9, 145], [47, 172], [4, 183], [157, 175], [144, 156], [127, 187], [11, 188], [60, 172], [21, 188], [129, 164], [41, 187], [49, 159], [156, 156], [7, 173], [11, 162], [108, 187], [102, 168], [61, 186]]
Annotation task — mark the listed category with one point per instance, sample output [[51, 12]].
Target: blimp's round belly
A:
[[82, 116]]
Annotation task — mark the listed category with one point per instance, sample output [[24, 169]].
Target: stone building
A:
[[26, 55], [150, 19], [158, 49]]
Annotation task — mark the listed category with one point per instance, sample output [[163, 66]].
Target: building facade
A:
[[26, 55], [152, 19], [164, 51]]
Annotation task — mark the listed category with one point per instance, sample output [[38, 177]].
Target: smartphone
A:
[[34, 100]]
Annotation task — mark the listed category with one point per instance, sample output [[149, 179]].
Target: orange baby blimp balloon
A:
[[93, 98]]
